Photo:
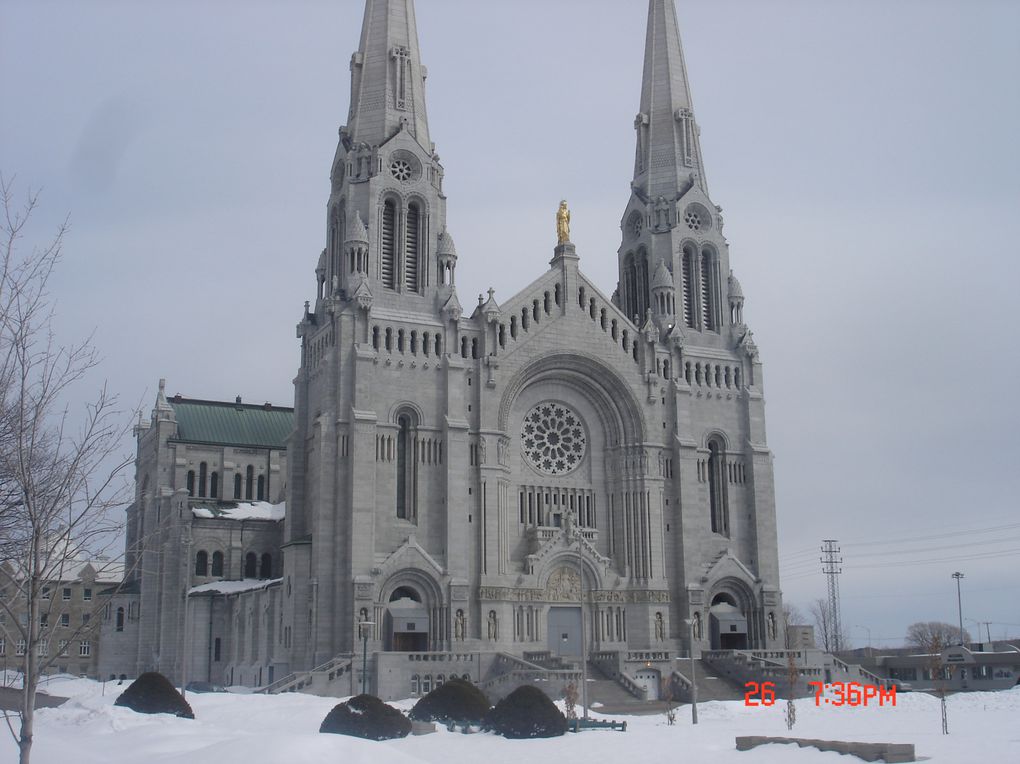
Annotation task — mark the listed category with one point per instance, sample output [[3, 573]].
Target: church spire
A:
[[387, 78], [668, 157]]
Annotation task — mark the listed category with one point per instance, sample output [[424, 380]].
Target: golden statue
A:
[[563, 223]]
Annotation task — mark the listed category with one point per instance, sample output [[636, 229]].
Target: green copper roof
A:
[[234, 424]]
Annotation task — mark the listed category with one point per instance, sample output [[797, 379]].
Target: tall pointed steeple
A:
[[668, 148], [387, 78]]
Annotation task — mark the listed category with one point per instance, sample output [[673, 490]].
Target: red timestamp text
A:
[[839, 694], [853, 694]]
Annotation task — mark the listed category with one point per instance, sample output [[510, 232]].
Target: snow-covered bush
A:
[[152, 693], [455, 701], [367, 717], [526, 712]]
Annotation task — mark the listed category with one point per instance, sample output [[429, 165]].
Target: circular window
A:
[[636, 225], [404, 166], [697, 218], [553, 439], [401, 170]]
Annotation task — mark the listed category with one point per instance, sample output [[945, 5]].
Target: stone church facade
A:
[[521, 475]]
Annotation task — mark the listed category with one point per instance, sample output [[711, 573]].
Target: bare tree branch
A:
[[59, 461]]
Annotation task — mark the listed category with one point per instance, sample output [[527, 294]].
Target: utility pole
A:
[[959, 602], [831, 568]]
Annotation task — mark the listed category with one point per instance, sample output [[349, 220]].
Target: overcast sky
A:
[[865, 155]]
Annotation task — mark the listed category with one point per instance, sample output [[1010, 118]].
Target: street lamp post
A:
[[959, 601], [694, 678], [364, 627], [584, 642]]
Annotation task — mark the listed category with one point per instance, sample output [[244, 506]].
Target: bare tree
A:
[[824, 626], [819, 610], [925, 633], [58, 461], [932, 639]]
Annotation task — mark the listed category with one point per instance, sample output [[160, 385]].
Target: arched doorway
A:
[[650, 679], [407, 621], [727, 624]]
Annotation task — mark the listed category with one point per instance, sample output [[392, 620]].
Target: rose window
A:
[[401, 170], [553, 439], [693, 220]]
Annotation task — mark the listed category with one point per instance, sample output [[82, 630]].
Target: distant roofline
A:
[[229, 404]]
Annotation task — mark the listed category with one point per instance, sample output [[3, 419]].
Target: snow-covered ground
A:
[[88, 728]]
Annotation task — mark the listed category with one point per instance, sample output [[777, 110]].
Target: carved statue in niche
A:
[[481, 450], [697, 625], [564, 585], [493, 626], [660, 628], [459, 624], [661, 213], [772, 625]]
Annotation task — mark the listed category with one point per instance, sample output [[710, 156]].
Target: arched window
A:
[[261, 492], [717, 487], [191, 482], [266, 566], [251, 564], [630, 285], [412, 247], [202, 563], [214, 485], [237, 485], [389, 231], [217, 564], [407, 465], [415, 684], [687, 274], [708, 291], [249, 480], [642, 286], [120, 619], [203, 474]]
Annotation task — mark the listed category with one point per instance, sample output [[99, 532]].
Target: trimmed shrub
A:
[[367, 717], [526, 712], [455, 701], [152, 693]]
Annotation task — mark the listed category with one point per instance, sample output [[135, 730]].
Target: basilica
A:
[[574, 472]]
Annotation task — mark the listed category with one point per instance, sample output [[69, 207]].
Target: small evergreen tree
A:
[[367, 717], [526, 712], [152, 693], [455, 701]]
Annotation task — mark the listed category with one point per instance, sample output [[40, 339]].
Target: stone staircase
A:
[[712, 685], [332, 679]]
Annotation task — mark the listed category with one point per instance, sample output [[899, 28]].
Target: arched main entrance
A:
[[727, 624], [407, 621]]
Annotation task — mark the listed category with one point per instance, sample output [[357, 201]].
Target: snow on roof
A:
[[234, 587], [251, 510]]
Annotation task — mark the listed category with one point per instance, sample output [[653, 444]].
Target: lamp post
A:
[[185, 636], [584, 642], [959, 602], [694, 678], [364, 627]]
